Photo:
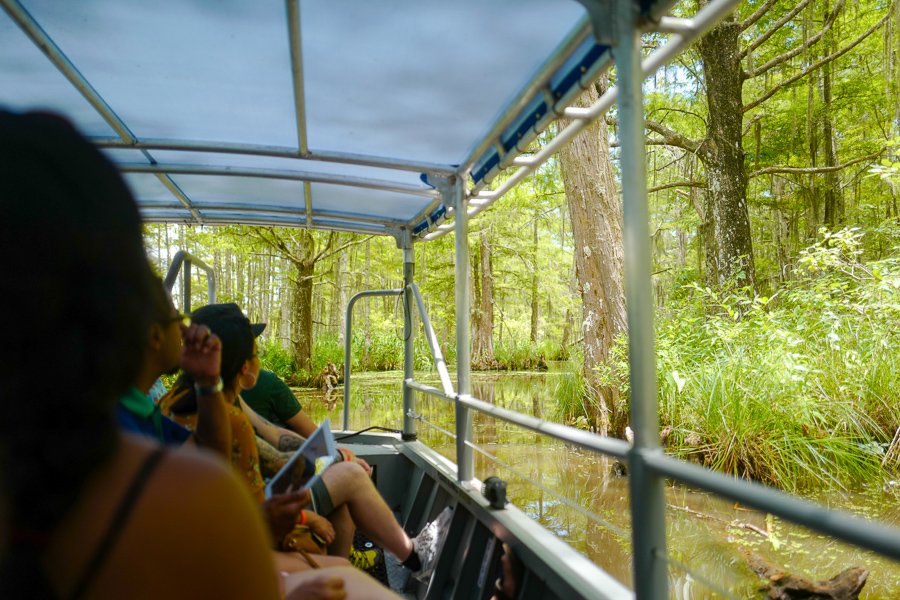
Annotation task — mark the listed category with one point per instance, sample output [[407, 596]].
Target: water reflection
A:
[[704, 533]]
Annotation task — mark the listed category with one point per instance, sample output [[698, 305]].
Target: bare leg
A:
[[357, 584], [349, 484], [293, 562], [344, 528]]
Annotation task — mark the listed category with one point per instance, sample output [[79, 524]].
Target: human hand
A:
[[320, 525], [505, 586], [324, 587], [281, 512], [201, 354]]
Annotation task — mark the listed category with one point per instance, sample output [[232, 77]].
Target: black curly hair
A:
[[75, 310]]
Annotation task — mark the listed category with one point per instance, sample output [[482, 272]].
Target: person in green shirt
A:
[[173, 343], [273, 400]]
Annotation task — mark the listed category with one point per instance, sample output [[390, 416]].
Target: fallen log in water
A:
[[785, 586], [781, 585]]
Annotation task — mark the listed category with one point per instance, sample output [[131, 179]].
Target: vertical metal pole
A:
[[647, 492], [348, 348], [409, 363], [186, 286], [348, 343], [464, 459]]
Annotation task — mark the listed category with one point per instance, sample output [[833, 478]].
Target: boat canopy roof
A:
[[343, 115]]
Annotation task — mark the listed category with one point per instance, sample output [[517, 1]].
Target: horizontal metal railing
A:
[[186, 259], [579, 437], [348, 343], [878, 537]]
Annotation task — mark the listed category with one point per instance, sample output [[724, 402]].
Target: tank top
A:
[[25, 552]]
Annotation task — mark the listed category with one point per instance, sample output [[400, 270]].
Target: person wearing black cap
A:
[[86, 510], [345, 495], [239, 369]]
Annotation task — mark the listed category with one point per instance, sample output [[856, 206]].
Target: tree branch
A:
[[810, 170], [771, 31], [666, 186], [678, 110], [792, 53], [322, 253], [756, 16], [673, 138], [750, 123], [345, 246], [771, 92], [275, 241], [653, 142]]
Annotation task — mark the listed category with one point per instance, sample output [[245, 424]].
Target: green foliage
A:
[[888, 169], [524, 355], [795, 390], [572, 394], [273, 357]]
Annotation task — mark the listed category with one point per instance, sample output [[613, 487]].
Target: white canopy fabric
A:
[[335, 114]]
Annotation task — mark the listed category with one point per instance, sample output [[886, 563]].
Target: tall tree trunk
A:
[[303, 260], [596, 224], [782, 232], [534, 280], [366, 305], [732, 254], [833, 195], [483, 313], [812, 131], [301, 340], [285, 309]]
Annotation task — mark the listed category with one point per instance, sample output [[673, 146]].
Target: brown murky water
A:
[[578, 495]]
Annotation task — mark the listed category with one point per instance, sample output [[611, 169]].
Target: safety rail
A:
[[348, 342], [436, 353], [648, 465], [185, 258], [880, 538], [579, 437], [845, 526]]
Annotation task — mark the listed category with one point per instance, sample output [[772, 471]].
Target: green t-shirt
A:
[[272, 399]]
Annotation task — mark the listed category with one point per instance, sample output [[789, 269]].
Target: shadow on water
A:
[[577, 494]]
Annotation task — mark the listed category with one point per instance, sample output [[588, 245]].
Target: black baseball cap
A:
[[234, 329]]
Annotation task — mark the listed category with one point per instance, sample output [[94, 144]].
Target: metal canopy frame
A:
[[459, 189], [543, 97]]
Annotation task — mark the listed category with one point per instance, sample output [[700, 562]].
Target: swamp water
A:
[[560, 485]]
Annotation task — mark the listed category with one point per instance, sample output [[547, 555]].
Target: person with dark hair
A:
[[66, 469], [87, 510], [344, 494], [238, 365], [239, 368], [165, 355]]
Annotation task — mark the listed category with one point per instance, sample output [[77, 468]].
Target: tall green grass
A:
[[797, 390], [515, 355]]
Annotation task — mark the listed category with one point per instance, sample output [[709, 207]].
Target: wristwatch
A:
[[202, 390]]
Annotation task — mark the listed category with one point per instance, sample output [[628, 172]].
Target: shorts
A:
[[320, 498]]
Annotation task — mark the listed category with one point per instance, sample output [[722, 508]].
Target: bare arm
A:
[[283, 439], [201, 357], [302, 424]]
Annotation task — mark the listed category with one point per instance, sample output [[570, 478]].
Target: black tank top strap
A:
[[117, 524]]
